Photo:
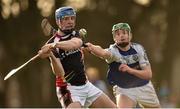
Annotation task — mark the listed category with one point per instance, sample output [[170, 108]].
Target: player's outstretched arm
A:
[[98, 51], [71, 44]]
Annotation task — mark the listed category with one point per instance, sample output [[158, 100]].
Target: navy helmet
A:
[[64, 11]]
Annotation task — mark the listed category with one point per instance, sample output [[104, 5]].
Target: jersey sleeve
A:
[[110, 59], [113, 56], [143, 59]]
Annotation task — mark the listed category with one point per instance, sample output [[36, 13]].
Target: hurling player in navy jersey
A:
[[129, 69], [73, 89]]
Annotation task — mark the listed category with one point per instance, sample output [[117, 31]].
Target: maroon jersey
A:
[[72, 61]]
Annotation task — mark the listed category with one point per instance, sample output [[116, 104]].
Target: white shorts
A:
[[85, 94], [144, 95]]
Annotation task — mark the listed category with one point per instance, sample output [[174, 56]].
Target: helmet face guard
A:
[[122, 26], [64, 12]]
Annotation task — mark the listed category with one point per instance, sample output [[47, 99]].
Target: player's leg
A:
[[103, 101], [124, 101], [74, 105], [68, 98], [70, 101], [125, 98], [96, 98]]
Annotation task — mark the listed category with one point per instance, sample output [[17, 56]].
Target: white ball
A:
[[83, 32]]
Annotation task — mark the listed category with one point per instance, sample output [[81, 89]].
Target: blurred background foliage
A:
[[155, 24]]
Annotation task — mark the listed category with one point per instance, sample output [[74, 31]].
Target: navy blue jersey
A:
[[72, 60], [135, 58]]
